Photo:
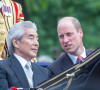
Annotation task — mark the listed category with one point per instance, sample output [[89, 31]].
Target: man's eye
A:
[[69, 34], [61, 36], [31, 38]]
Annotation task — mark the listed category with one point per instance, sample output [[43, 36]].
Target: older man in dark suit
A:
[[18, 70]]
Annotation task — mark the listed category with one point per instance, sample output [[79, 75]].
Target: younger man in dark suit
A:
[[70, 36], [23, 46]]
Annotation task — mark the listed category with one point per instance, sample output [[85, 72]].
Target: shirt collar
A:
[[84, 53], [74, 58], [21, 60]]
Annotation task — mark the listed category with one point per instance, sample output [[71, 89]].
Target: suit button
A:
[[2, 32], [1, 21], [1, 43]]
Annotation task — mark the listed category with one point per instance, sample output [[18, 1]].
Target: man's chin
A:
[[69, 51], [34, 56]]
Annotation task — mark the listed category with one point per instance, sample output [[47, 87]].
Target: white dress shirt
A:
[[74, 58]]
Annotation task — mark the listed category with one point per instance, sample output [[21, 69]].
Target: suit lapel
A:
[[35, 75], [19, 72], [38, 75], [67, 62]]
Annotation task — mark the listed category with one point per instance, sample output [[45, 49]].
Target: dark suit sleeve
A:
[[3, 80]]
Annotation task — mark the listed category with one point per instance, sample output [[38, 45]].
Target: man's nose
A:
[[35, 42], [65, 39]]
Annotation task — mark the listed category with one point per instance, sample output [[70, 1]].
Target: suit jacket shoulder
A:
[[60, 64], [88, 51]]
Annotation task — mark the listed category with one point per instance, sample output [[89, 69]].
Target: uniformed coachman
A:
[[10, 13]]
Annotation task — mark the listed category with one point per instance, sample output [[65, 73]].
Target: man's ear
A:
[[81, 32], [15, 42]]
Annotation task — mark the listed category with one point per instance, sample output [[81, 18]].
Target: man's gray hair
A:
[[17, 31]]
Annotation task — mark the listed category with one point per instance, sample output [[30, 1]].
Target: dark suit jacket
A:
[[12, 74], [62, 63], [89, 79], [93, 80]]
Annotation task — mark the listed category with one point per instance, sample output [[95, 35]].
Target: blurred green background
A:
[[46, 13]]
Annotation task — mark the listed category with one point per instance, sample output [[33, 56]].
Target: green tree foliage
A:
[[46, 13]]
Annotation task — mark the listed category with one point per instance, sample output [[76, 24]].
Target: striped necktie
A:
[[29, 73]]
